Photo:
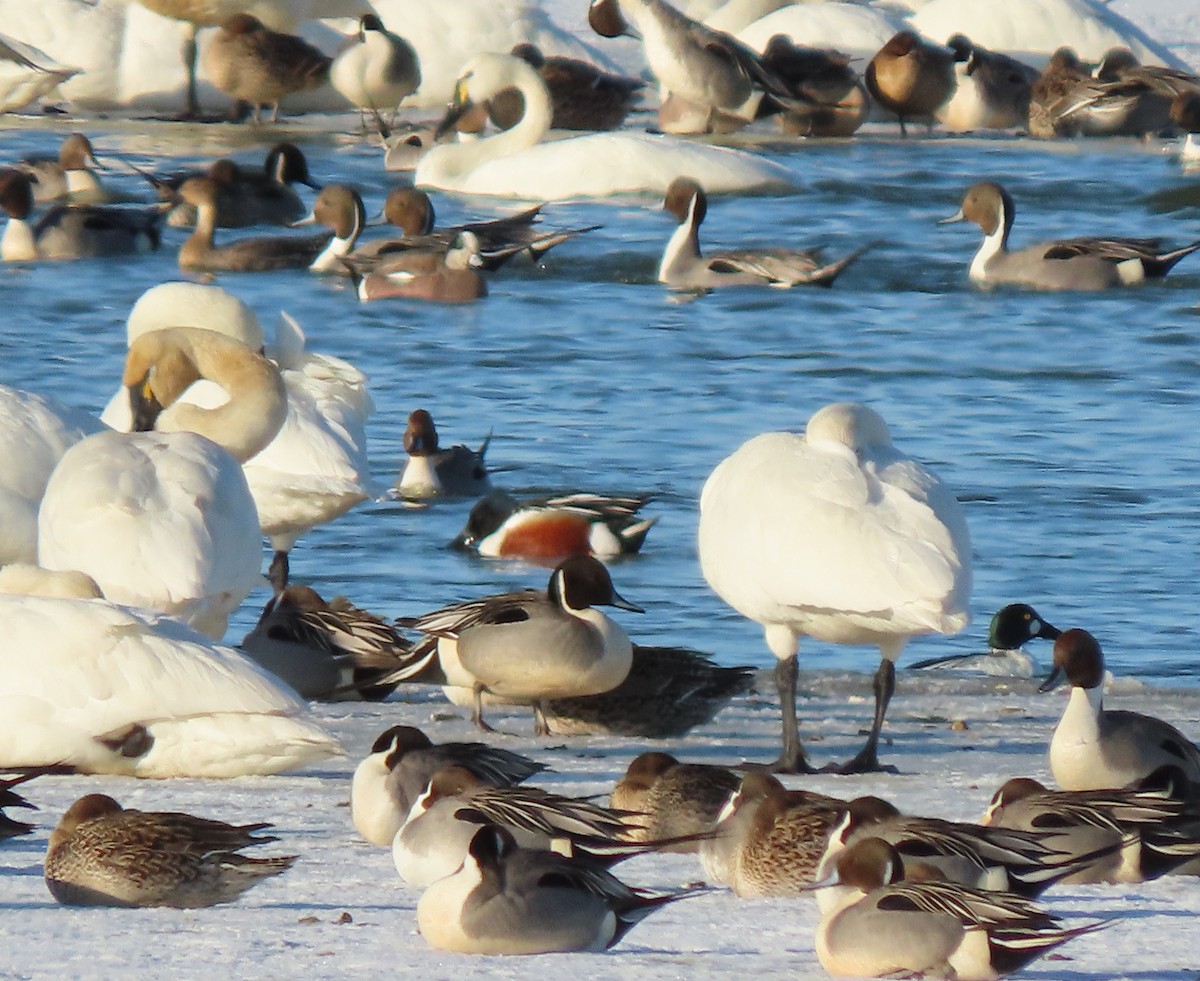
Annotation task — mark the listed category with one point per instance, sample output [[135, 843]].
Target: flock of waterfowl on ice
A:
[[128, 540]]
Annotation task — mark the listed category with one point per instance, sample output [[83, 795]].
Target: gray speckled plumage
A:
[[673, 799]]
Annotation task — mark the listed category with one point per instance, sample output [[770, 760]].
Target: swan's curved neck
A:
[[460, 159], [170, 360]]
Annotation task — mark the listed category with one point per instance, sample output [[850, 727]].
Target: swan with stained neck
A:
[[513, 163], [162, 364]]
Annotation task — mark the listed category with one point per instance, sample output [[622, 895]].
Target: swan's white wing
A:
[[34, 434], [161, 520], [792, 532], [75, 670]]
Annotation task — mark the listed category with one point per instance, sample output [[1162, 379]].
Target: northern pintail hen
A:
[[71, 174], [510, 900], [724, 79], [431, 471], [10, 827], [667, 693], [834, 100], [895, 554], [337, 206], [1068, 264], [1096, 749], [769, 840], [549, 529], [411, 210], [684, 267], [1054, 90], [974, 855], [86, 231], [529, 647], [244, 196], [1135, 835], [911, 77], [433, 841], [673, 799], [329, 651], [991, 90], [378, 72], [881, 926], [400, 765], [582, 96], [103, 855], [251, 63]]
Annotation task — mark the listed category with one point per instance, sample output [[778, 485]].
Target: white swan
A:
[[34, 434], [316, 468], [165, 519], [1032, 30], [837, 535], [100, 688], [854, 29], [514, 164]]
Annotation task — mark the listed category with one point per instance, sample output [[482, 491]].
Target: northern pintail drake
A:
[[70, 175], [10, 827], [673, 799], [251, 63], [438, 274], [1010, 629], [515, 164], [550, 529], [433, 841], [1054, 90], [101, 854], [838, 490], [529, 647], [244, 196], [431, 471], [379, 72], [82, 232], [667, 693], [684, 267], [991, 90], [28, 73], [722, 78], [1096, 749], [911, 77], [165, 519], [583, 96], [833, 99], [1069, 264], [1135, 835], [511, 900], [315, 469], [337, 206], [882, 926], [330, 651], [769, 840], [411, 210], [400, 765], [93, 687], [35, 432], [974, 855]]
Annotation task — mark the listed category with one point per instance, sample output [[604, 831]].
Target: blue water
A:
[[1066, 423]]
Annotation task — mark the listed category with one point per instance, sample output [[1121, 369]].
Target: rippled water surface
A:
[[1067, 423]]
